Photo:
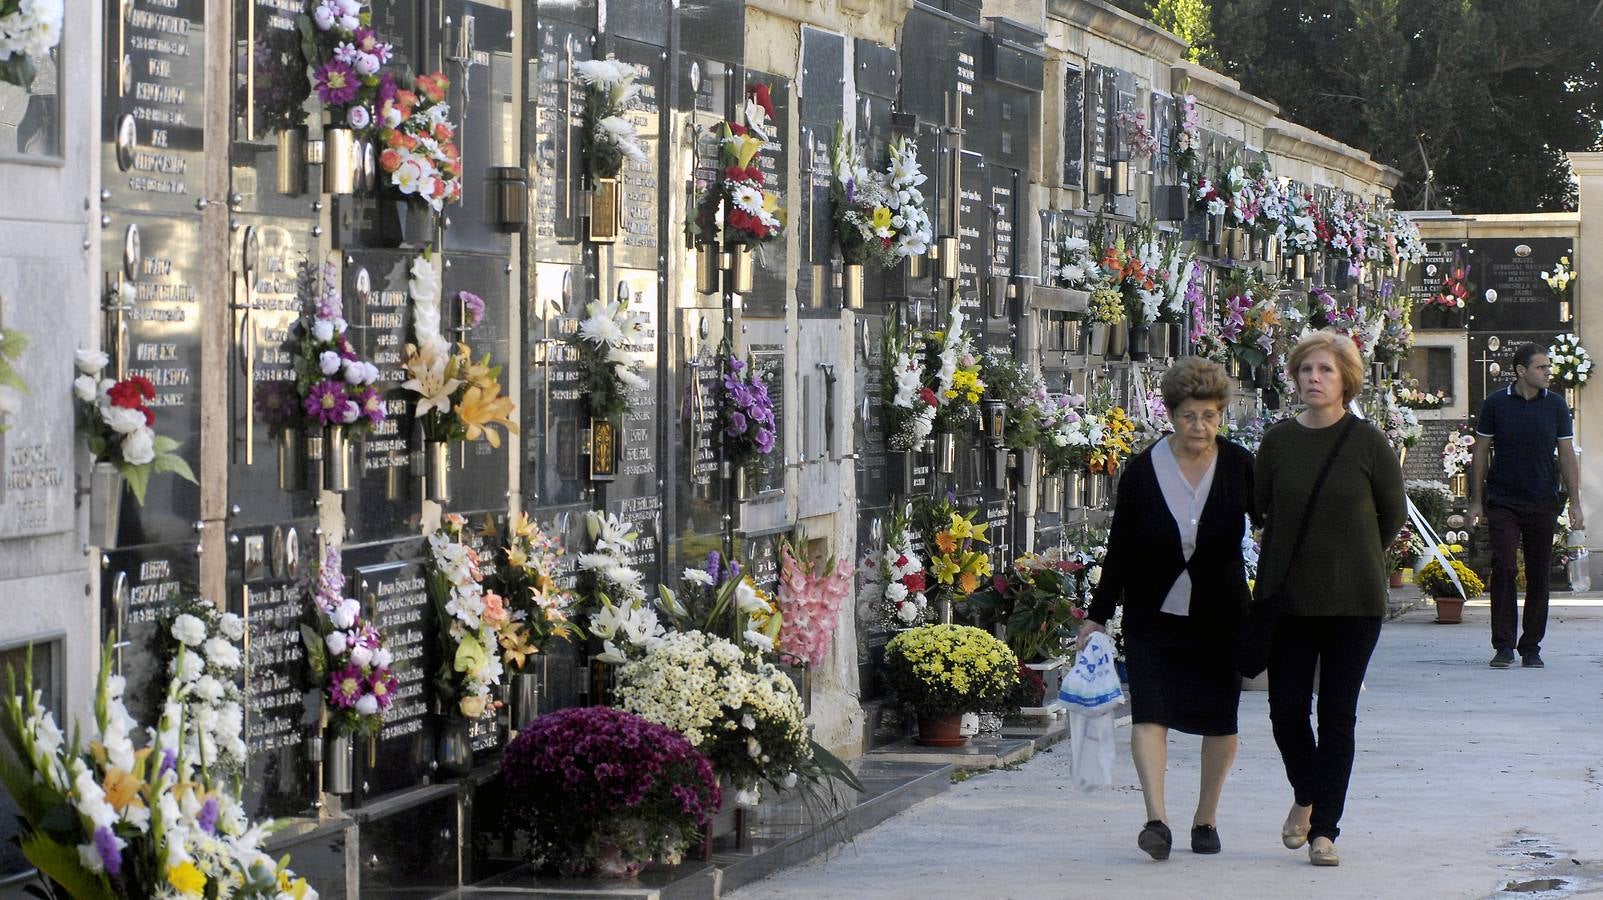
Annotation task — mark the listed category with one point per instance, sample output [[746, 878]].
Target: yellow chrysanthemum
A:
[[187, 879]]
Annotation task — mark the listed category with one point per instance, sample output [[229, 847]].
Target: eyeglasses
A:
[[1211, 418]]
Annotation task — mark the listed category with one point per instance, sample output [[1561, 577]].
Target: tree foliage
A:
[[1475, 101]]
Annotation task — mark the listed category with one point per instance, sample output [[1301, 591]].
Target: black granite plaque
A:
[[481, 67], [638, 471], [1424, 460], [713, 28], [819, 108], [1100, 97], [927, 81], [1512, 268], [385, 496], [162, 343], [760, 555], [698, 487], [1159, 122], [412, 850], [136, 588], [478, 470], [975, 222], [152, 129], [869, 410], [1074, 90], [554, 136], [644, 514], [643, 184], [269, 588], [1491, 361], [276, 283], [552, 407], [1005, 209], [395, 596], [1425, 277], [768, 295], [270, 96]]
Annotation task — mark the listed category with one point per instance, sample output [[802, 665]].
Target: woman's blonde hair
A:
[[1194, 378], [1342, 349]]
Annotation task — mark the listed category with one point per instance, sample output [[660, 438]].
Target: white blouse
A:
[[1185, 505]]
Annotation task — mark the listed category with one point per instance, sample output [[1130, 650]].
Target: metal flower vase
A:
[[851, 286], [105, 504], [289, 158], [453, 753], [437, 477], [606, 211], [338, 762], [1118, 343], [339, 160], [707, 268], [291, 447], [1052, 494], [1138, 336], [1075, 490], [946, 452], [1096, 488], [336, 459], [523, 694], [742, 268], [1158, 340]]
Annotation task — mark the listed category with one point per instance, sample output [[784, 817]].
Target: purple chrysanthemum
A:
[[372, 405], [347, 686], [207, 817], [472, 306], [327, 402], [336, 83]]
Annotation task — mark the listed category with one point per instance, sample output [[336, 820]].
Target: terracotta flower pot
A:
[[1396, 579], [1449, 610], [942, 731]]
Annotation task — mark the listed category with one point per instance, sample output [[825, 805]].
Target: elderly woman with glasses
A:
[[1174, 561]]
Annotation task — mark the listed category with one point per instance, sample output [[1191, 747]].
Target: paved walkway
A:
[[1468, 780]]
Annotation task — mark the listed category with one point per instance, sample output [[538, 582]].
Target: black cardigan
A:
[[1144, 556]]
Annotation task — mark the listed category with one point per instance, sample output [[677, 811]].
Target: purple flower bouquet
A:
[[602, 792], [747, 414]]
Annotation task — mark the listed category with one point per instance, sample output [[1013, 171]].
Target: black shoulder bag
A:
[[1258, 627]]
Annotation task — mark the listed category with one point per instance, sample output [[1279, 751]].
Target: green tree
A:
[[1192, 20]]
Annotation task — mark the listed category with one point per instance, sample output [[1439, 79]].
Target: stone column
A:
[[1588, 169]]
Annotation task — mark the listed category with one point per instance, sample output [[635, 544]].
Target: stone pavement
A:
[[1468, 781]]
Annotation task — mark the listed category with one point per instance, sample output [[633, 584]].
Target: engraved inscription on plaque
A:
[[973, 236], [383, 503], [153, 138], [558, 100], [396, 596], [641, 180]]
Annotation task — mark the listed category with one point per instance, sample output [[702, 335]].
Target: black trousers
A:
[[1319, 770], [1511, 529]]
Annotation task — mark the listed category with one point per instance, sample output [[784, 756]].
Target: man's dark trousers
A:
[[1512, 527]]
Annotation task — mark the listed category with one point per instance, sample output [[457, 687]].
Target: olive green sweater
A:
[[1340, 569]]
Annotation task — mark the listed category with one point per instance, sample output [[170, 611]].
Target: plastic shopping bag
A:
[[1092, 685], [1091, 690]]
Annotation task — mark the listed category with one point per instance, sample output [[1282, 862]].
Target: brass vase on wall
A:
[[707, 267], [1118, 341], [291, 447], [339, 160], [851, 286], [946, 452], [1095, 490], [336, 459], [1158, 340], [742, 268], [606, 210], [289, 157], [337, 764], [523, 693], [1052, 494], [438, 474], [1075, 490]]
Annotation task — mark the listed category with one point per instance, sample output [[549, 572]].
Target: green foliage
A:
[[1192, 20]]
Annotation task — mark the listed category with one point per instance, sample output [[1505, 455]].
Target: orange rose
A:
[[495, 611], [389, 160]]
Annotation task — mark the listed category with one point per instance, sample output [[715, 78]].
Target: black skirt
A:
[[1188, 685]]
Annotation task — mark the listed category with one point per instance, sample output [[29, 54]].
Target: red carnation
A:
[[914, 582], [150, 418], [1000, 584], [928, 396], [901, 561], [754, 174], [759, 92], [734, 173], [125, 394], [145, 387]]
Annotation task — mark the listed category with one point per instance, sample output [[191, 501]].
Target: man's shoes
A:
[[1532, 660], [1502, 659], [1205, 839], [1155, 839]]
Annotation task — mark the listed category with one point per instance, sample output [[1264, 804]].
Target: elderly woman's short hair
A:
[[1342, 349], [1195, 378]]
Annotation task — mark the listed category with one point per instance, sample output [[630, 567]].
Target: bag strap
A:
[[1313, 497]]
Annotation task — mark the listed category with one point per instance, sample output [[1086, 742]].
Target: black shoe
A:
[[1502, 659], [1205, 839], [1532, 660], [1155, 839]]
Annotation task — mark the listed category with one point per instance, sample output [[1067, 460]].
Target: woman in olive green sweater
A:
[[1334, 593]]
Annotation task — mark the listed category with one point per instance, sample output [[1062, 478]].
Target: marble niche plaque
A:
[[37, 452], [137, 588], [385, 499], [478, 470], [395, 596], [152, 134]]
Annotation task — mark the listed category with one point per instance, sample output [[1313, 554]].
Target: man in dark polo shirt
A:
[[1530, 435]]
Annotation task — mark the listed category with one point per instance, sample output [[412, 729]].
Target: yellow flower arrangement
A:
[[957, 562], [1433, 580], [946, 669], [1118, 441]]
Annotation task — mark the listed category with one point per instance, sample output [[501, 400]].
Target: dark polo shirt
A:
[[1525, 436]]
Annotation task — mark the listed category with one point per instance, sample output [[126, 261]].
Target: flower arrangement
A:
[[1411, 395], [810, 597], [909, 406], [610, 136], [12, 387], [101, 819], [1110, 437], [1458, 452], [1572, 365], [1186, 140], [1137, 285], [1561, 278], [744, 714], [603, 791], [201, 648], [27, 28], [1397, 422], [1395, 337], [1036, 602], [1404, 549], [894, 582], [346, 57], [942, 670], [723, 599], [458, 399], [751, 214], [1251, 317], [1143, 143], [746, 411], [526, 578], [1025, 395], [958, 563], [879, 218], [471, 619], [1454, 291], [121, 426], [1434, 581], [957, 385], [611, 591], [1077, 267], [346, 653], [1066, 447], [1302, 223], [1106, 306], [414, 128], [608, 369], [334, 385], [1404, 242]]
